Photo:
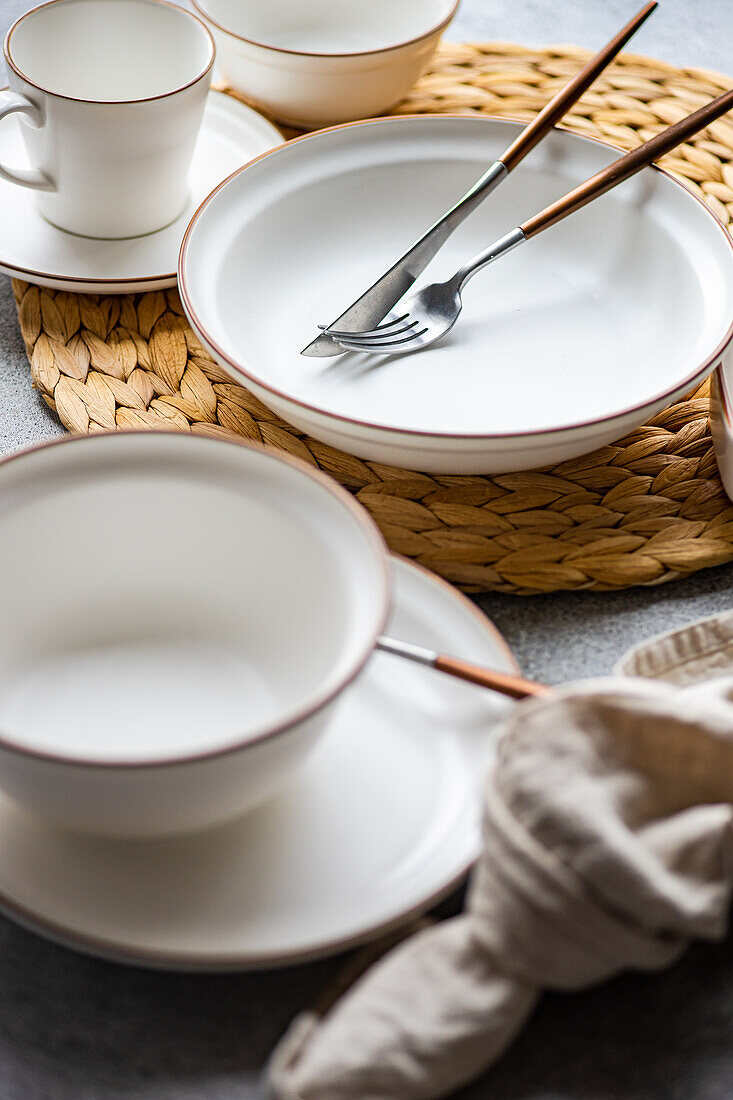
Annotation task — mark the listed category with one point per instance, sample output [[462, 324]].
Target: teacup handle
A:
[[14, 104]]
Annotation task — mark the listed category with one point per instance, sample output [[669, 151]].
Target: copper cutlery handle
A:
[[514, 686], [506, 683], [374, 304], [627, 166], [572, 91]]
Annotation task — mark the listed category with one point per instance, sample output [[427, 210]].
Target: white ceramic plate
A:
[[564, 345], [381, 821], [33, 249]]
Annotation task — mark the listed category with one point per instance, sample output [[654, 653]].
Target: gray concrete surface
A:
[[73, 1028]]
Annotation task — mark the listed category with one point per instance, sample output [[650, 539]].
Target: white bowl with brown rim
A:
[[326, 61], [562, 347], [181, 616]]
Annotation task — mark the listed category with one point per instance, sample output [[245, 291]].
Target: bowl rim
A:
[[14, 67], [317, 700], [405, 434], [437, 28]]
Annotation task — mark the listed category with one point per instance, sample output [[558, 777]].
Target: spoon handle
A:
[[506, 683], [628, 165]]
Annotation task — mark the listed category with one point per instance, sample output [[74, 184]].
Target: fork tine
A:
[[368, 337], [372, 345], [380, 330]]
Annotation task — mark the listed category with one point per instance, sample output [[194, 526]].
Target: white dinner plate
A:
[[33, 249], [563, 345], [380, 822]]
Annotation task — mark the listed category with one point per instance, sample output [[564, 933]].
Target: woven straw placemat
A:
[[642, 511]]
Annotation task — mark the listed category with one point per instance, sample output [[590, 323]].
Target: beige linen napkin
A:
[[608, 845]]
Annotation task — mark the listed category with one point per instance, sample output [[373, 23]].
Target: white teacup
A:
[[111, 93]]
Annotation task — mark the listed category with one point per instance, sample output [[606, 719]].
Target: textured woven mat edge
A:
[[645, 510]]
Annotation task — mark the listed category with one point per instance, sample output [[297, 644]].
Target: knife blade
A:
[[375, 303]]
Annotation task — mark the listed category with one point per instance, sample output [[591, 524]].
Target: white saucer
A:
[[380, 823], [32, 249]]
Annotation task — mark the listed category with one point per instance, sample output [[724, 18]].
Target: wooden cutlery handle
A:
[[627, 166], [515, 686], [572, 91]]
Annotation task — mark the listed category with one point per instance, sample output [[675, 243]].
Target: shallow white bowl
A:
[[215, 602], [564, 345], [325, 61]]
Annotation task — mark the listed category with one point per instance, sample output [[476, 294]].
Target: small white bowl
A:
[[326, 61], [180, 615]]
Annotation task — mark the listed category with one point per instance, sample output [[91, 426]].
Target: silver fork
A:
[[425, 316], [428, 314]]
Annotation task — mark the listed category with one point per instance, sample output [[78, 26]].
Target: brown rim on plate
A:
[[368, 528], [218, 352], [313, 53], [107, 948], [109, 102], [96, 282]]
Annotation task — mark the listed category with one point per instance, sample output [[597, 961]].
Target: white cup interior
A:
[[329, 26], [167, 596], [110, 50]]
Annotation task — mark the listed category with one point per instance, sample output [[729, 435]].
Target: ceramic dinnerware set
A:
[[201, 755], [211, 653], [204, 762]]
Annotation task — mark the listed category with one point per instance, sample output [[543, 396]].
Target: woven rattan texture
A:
[[645, 510]]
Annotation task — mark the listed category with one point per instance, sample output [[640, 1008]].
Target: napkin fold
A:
[[608, 845]]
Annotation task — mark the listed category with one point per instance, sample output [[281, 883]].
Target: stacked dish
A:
[[32, 248], [187, 671]]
